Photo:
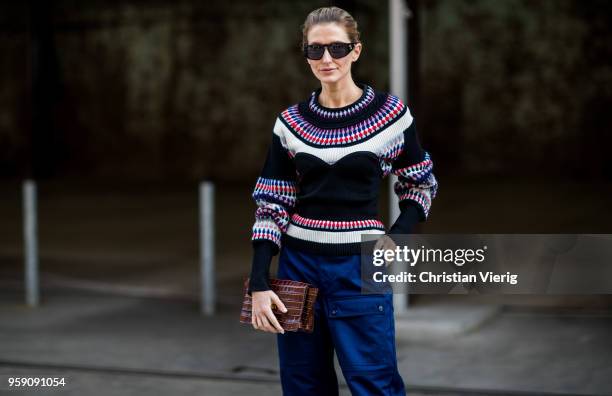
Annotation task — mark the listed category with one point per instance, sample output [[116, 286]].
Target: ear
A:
[[356, 51]]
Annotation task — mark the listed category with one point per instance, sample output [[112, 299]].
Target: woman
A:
[[316, 195]]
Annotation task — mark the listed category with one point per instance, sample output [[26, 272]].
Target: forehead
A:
[[325, 33]]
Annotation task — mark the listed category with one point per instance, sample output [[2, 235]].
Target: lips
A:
[[327, 70]]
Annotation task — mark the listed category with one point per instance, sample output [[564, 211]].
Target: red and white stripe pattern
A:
[[274, 198], [336, 225], [422, 192], [386, 144], [416, 172], [340, 136], [332, 232], [281, 191], [266, 228], [389, 152]]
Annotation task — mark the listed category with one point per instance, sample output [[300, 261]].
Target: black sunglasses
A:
[[336, 50]]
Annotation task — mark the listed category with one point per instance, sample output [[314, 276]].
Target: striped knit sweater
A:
[[319, 186]]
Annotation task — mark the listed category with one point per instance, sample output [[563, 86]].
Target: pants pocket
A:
[[362, 329]]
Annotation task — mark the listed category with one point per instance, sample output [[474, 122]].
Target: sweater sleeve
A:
[[416, 186], [275, 196]]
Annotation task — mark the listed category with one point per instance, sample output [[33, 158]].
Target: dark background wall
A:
[[519, 87], [181, 90]]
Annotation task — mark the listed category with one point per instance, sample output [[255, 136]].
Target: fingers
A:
[[388, 244], [378, 244], [385, 242], [272, 319], [260, 322], [262, 316], [256, 322], [277, 301], [265, 324]]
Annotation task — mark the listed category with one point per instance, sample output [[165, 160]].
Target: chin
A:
[[330, 79]]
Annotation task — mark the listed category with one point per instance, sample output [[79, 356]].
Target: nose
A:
[[326, 56]]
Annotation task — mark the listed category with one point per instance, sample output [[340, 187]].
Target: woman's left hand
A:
[[385, 243]]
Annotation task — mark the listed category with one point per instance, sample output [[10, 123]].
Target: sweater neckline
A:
[[351, 124], [339, 113]]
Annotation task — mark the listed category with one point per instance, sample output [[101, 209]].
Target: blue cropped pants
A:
[[359, 327]]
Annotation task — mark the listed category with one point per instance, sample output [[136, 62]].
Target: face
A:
[[328, 69]]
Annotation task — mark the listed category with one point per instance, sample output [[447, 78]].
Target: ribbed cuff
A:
[[263, 251]]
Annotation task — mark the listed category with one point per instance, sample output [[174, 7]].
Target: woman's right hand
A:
[[262, 317]]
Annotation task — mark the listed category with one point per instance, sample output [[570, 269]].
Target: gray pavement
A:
[[107, 345]]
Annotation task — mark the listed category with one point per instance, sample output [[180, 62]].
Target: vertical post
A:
[[30, 242], [398, 77], [207, 247]]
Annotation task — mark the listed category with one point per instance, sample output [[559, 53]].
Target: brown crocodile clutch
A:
[[299, 299]]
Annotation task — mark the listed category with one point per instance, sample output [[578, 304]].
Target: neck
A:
[[339, 94]]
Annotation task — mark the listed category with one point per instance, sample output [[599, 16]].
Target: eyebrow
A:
[[333, 42]]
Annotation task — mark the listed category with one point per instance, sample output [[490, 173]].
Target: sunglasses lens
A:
[[339, 50], [315, 52]]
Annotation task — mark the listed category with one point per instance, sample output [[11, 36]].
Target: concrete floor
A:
[[118, 345]]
